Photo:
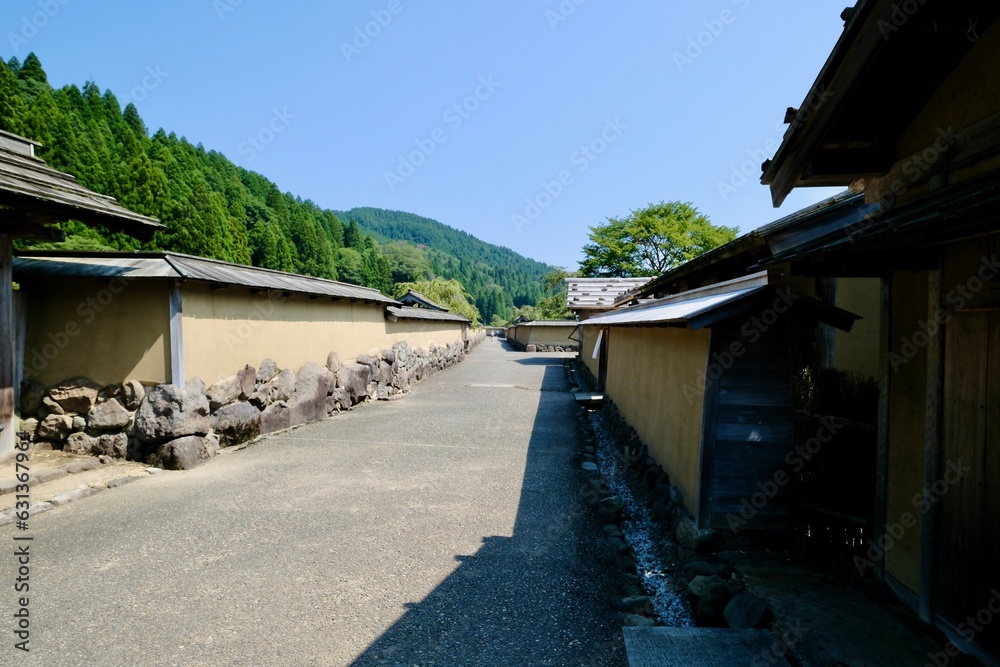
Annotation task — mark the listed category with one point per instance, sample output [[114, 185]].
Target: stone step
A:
[[700, 647]]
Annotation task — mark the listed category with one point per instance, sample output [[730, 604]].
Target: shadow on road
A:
[[538, 597]]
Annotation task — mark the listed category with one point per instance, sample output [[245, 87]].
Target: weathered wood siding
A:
[[749, 428], [968, 557]]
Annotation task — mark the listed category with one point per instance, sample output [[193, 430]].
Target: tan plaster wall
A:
[[647, 369]]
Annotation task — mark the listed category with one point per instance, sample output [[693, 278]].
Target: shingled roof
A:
[[598, 293], [33, 195]]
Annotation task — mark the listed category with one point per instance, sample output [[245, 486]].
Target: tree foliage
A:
[[214, 208], [448, 293], [650, 241]]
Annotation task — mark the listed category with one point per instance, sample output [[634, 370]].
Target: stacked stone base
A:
[[178, 427], [534, 347], [718, 597]]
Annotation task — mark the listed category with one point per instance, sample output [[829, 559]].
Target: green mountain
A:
[[214, 208], [497, 278]]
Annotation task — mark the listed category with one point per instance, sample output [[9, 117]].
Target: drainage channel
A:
[[655, 551]]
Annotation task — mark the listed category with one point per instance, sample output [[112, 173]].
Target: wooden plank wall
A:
[[753, 427]]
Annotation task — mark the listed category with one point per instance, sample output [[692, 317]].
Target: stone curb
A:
[[67, 497]]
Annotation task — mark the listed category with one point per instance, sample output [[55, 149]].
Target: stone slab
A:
[[700, 647]]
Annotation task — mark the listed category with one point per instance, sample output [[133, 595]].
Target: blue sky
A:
[[522, 122]]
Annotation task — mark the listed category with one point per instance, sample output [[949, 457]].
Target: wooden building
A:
[[33, 197], [910, 118], [705, 379]]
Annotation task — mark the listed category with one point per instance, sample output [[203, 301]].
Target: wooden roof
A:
[[33, 195], [415, 298], [598, 293], [879, 75], [169, 265]]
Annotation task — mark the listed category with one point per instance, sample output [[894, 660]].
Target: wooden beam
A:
[[176, 334], [932, 449], [8, 434], [882, 446]]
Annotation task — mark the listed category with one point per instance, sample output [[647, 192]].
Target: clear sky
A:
[[522, 122]]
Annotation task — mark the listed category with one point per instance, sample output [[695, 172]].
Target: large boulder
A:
[[341, 398], [109, 416], [709, 597], [32, 394], [247, 377], [76, 395], [223, 392], [236, 423], [383, 375], [746, 610], [170, 411], [275, 417], [267, 370], [184, 453], [355, 378], [701, 541], [283, 385], [308, 403], [115, 445], [333, 362], [262, 396], [55, 427], [132, 394]]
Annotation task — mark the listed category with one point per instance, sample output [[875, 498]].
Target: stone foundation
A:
[[178, 427]]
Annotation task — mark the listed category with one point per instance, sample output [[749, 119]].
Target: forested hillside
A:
[[214, 208], [498, 278]]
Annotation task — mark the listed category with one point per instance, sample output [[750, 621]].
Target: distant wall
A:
[[647, 370], [108, 331], [228, 328], [858, 351], [421, 333], [549, 335], [588, 339]]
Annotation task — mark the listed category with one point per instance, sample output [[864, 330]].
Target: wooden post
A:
[[932, 449], [176, 335], [8, 435], [882, 447]]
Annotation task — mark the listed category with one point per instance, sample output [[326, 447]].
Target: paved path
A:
[[442, 529]]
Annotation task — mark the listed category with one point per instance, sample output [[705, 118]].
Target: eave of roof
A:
[[706, 306], [34, 194], [407, 313], [844, 130], [423, 300], [166, 265]]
